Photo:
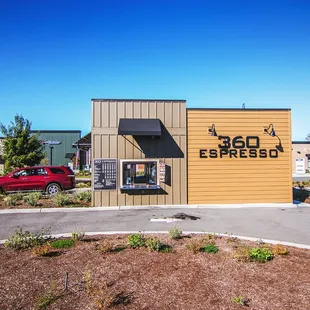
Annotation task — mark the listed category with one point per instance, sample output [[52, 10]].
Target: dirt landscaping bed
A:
[[43, 202], [103, 272]]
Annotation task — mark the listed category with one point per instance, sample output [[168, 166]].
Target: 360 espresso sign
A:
[[239, 147]]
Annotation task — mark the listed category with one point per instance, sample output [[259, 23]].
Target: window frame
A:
[[137, 161]]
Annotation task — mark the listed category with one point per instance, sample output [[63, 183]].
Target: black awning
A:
[[139, 127], [70, 155]]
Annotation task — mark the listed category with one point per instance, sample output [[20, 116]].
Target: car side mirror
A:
[[15, 176]]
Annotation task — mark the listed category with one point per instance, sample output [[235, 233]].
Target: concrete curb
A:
[[150, 207], [255, 239]]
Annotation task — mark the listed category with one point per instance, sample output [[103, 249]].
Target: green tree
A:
[[20, 147]]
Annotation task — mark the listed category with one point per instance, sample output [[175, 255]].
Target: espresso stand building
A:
[[157, 152]]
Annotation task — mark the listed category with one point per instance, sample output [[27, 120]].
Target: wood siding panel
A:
[[107, 144], [238, 180]]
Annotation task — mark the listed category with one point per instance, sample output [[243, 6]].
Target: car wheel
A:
[[53, 189]]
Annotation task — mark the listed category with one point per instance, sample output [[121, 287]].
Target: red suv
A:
[[50, 179]]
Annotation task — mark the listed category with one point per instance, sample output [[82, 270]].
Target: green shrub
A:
[[136, 240], [33, 198], [24, 239], [18, 196], [10, 201], [61, 199], [153, 244], [77, 235], [210, 248], [62, 243], [261, 254], [83, 196], [175, 233]]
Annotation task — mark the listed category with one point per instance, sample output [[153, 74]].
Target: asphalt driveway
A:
[[284, 224]]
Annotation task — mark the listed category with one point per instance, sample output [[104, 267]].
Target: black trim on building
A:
[[166, 100], [56, 131], [236, 109]]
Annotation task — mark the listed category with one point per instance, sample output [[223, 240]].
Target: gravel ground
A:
[[138, 279]]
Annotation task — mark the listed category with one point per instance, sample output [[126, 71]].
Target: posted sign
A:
[[105, 174], [300, 165]]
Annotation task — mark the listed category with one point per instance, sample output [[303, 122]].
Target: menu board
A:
[[105, 171]]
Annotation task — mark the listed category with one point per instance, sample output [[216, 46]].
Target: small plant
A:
[[77, 235], [210, 236], [230, 240], [88, 282], [47, 298], [82, 185], [10, 201], [242, 253], [153, 244], [24, 239], [261, 254], [83, 196], [210, 248], [62, 243], [42, 250], [105, 298], [105, 247], [240, 300], [194, 246], [175, 233], [136, 240], [33, 198], [279, 249], [18, 196], [61, 200]]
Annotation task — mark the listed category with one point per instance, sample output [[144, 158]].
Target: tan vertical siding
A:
[[238, 180], [107, 144]]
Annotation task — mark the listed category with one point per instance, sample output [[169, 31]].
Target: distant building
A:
[[83, 149], [301, 156], [58, 146]]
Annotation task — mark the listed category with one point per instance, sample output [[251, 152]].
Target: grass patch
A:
[[210, 248], [62, 243]]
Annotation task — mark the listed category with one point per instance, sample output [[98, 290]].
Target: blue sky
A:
[[57, 55]]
